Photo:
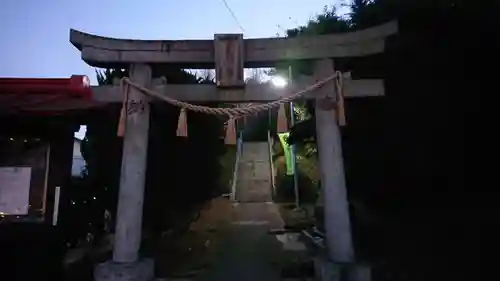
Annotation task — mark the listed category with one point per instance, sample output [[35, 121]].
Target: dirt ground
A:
[[194, 251], [189, 254], [297, 218]]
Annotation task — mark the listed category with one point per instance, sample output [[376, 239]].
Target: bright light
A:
[[81, 133], [279, 81]]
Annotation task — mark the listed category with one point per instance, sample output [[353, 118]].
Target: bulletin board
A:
[[24, 165], [15, 190]]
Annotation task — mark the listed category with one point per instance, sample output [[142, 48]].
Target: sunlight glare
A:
[[279, 81]]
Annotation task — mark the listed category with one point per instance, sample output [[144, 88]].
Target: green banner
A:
[[287, 150]]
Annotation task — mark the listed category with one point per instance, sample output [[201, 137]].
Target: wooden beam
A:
[[199, 93], [364, 88], [106, 52]]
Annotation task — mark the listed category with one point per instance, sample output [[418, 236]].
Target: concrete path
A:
[[249, 251]]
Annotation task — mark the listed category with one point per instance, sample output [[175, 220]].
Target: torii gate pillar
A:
[[126, 264], [336, 207], [337, 222]]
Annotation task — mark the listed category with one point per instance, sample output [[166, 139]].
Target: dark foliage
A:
[[182, 172], [405, 154]]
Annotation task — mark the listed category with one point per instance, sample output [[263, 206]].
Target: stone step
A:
[[255, 151], [254, 173], [260, 212], [254, 170], [254, 191]]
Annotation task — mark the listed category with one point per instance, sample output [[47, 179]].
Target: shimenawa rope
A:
[[233, 113]]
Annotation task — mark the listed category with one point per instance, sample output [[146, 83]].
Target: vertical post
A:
[[58, 169], [337, 222], [270, 142], [133, 170], [55, 212], [293, 149]]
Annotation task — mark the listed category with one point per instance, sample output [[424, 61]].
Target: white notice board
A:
[[14, 190]]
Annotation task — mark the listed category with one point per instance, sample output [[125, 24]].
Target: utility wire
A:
[[233, 15]]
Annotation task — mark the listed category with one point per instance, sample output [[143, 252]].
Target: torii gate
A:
[[228, 54]]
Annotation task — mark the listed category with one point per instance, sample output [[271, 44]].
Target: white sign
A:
[[14, 190]]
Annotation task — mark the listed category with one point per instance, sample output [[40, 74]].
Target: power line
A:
[[233, 15]]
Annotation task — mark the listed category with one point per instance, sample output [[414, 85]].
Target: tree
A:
[[172, 192], [404, 154]]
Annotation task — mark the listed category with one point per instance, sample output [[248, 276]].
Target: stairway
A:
[[253, 181]]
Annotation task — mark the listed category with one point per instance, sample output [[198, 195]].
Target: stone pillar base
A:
[[142, 270], [332, 271]]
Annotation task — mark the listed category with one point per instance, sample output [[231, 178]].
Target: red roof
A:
[[44, 95]]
